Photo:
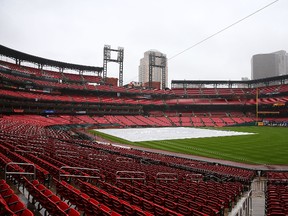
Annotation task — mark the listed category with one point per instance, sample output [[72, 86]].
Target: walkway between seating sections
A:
[[258, 196]]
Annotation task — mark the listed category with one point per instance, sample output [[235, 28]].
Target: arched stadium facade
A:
[[47, 106]]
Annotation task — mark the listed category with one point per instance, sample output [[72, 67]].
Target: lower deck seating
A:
[[276, 199], [109, 195], [130, 120], [10, 203]]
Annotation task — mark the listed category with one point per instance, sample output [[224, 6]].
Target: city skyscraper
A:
[[156, 72], [269, 65]]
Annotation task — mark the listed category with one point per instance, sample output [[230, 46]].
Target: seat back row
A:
[[10, 203], [48, 200]]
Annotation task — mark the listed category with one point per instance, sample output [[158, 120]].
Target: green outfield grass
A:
[[269, 145]]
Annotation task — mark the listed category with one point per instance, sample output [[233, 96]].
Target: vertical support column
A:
[[119, 60], [257, 105], [163, 70], [151, 64], [106, 58], [61, 70], [161, 65]]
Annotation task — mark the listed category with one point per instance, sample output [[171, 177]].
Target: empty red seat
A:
[[73, 212], [25, 212], [17, 207]]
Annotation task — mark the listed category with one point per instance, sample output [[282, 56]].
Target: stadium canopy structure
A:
[[20, 57], [229, 83]]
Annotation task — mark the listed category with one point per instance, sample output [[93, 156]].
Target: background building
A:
[[156, 75], [269, 65]]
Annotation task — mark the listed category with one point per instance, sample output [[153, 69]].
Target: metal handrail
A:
[[70, 154], [78, 176], [124, 159], [20, 172], [194, 177], [30, 148], [132, 177], [170, 176], [97, 157]]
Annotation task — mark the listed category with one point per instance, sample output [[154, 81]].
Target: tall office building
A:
[[269, 65], [156, 72]]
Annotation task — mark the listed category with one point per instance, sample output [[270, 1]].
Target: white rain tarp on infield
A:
[[168, 133]]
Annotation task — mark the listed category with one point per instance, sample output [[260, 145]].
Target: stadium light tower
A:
[[157, 61], [107, 58]]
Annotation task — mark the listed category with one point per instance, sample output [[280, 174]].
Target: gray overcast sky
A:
[[76, 32]]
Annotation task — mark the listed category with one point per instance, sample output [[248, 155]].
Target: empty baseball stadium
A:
[[51, 165]]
